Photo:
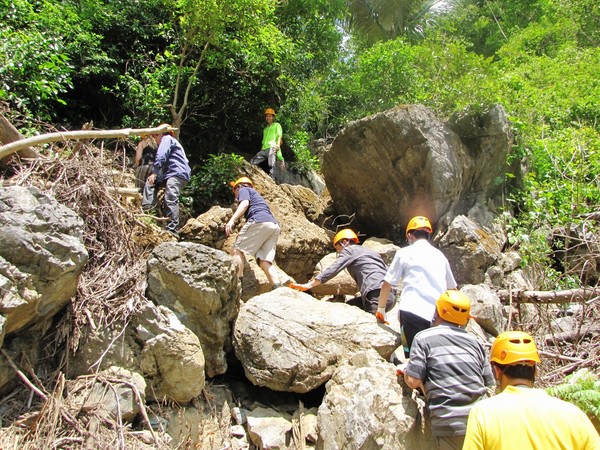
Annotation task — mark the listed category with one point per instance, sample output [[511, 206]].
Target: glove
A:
[[380, 315], [400, 368], [298, 287]]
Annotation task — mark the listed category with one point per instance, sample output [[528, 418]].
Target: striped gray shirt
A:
[[455, 371]]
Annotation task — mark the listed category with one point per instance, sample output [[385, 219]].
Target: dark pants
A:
[[410, 325], [173, 187], [449, 442], [370, 304]]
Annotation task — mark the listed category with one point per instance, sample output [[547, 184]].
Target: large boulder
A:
[[486, 308], [417, 165], [42, 255], [364, 407], [199, 284], [153, 343], [471, 249], [174, 364], [288, 341]]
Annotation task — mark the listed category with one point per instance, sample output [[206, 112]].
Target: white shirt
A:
[[426, 274]]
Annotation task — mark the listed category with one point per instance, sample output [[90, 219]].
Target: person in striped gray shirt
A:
[[451, 367]]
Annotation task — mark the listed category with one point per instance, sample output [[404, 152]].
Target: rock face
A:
[[199, 284], [175, 365], [486, 308], [114, 393], [288, 341], [41, 256], [364, 407], [471, 249], [155, 344], [404, 162]]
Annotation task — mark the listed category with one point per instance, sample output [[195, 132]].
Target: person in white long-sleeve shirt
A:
[[425, 273]]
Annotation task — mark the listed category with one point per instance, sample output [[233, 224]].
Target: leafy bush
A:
[[210, 185], [303, 161], [581, 388]]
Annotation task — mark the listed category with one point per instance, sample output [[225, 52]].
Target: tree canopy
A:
[[212, 67]]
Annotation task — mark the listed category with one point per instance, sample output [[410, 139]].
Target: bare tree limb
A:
[[13, 147], [565, 296], [8, 134]]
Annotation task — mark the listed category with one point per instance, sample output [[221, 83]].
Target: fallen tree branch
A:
[[565, 296], [8, 133], [16, 146], [571, 335], [23, 377], [126, 192]]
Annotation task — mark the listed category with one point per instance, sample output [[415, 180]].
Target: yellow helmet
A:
[[454, 306], [270, 111], [512, 347], [346, 233], [417, 223], [247, 180]]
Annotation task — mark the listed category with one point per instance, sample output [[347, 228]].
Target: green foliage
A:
[[210, 185], [304, 161], [581, 388], [35, 67]]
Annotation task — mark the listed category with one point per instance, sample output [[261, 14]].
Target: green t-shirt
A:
[[272, 135]]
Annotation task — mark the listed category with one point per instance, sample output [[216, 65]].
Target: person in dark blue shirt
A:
[[171, 169], [258, 237]]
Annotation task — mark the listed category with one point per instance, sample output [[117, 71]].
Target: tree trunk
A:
[[566, 296], [23, 144], [8, 134]]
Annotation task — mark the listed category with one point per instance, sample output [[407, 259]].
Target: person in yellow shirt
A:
[[271, 145], [521, 417]]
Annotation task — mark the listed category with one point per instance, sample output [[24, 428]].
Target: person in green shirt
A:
[[271, 145]]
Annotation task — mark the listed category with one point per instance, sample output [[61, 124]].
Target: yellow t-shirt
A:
[[521, 418]]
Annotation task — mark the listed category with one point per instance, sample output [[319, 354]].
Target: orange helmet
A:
[[346, 233], [270, 111], [512, 347], [247, 180], [419, 223], [454, 306]]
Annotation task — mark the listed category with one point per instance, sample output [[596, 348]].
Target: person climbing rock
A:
[[450, 366], [520, 416], [258, 237], [425, 273], [170, 170], [365, 266]]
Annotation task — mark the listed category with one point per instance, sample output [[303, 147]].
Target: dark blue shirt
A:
[[258, 210], [171, 160]]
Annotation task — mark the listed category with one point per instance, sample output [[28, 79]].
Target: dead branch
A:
[[571, 335], [560, 357], [565, 296], [22, 144], [23, 377], [125, 192], [8, 133]]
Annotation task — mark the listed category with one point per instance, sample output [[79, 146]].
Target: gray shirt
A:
[[455, 370], [365, 266]]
